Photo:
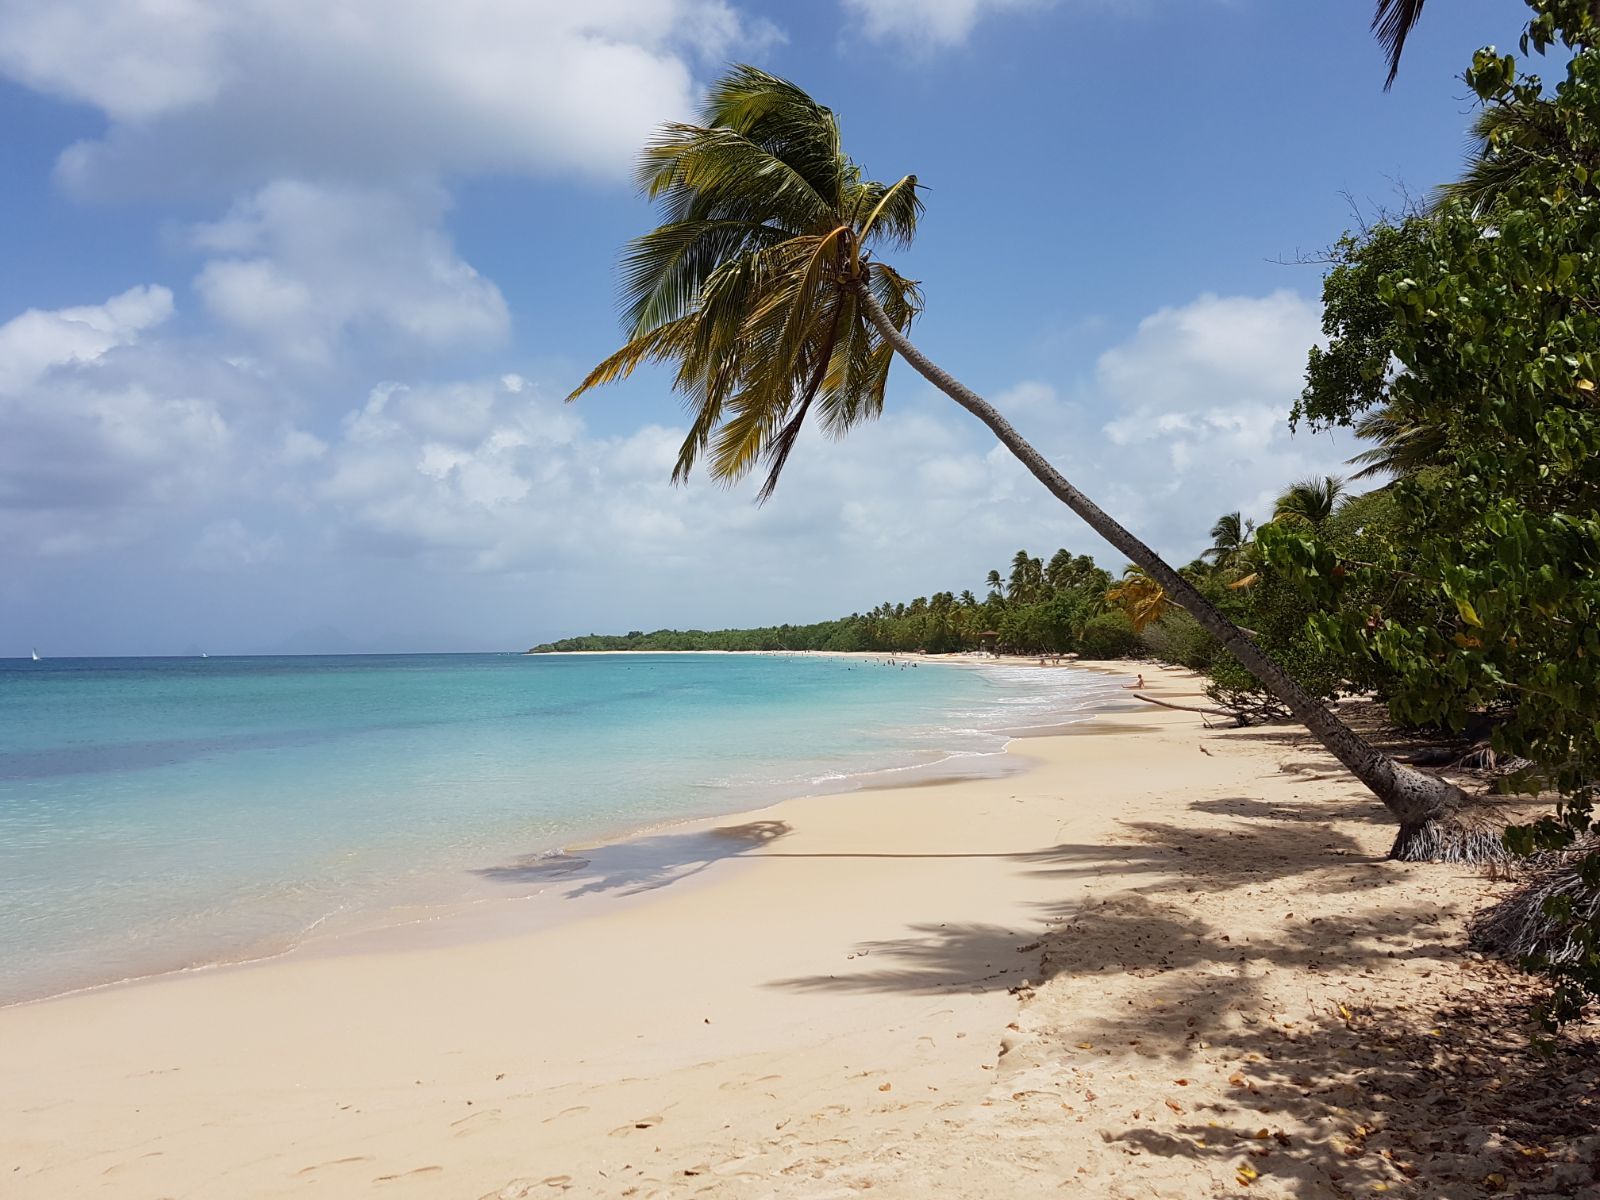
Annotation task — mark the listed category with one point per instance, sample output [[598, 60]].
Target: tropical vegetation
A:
[[766, 289], [1059, 607], [1462, 590]]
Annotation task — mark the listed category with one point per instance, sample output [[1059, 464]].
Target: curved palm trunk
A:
[[1424, 805]]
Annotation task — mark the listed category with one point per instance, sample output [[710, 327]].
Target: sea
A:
[[162, 814]]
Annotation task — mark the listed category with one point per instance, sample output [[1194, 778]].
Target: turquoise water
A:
[[162, 813]]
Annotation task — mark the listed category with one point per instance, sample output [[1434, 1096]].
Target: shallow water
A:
[[163, 813]]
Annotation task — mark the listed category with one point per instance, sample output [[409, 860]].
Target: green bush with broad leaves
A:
[[1483, 592]]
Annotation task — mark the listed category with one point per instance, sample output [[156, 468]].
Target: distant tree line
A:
[[1039, 607]]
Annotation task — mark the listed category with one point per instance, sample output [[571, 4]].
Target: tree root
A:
[[1460, 836], [1518, 927]]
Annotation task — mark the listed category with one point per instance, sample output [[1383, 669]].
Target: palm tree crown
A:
[[1401, 446], [1230, 537], [1312, 500], [750, 284], [1140, 597]]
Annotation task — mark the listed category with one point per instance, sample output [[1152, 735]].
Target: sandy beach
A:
[[1162, 961]]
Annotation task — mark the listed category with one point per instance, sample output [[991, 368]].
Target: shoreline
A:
[[124, 1044], [387, 924], [1102, 974]]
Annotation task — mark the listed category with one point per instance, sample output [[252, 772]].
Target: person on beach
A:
[[1135, 686]]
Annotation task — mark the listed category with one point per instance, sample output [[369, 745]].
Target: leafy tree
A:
[[1496, 330], [1351, 374], [765, 287]]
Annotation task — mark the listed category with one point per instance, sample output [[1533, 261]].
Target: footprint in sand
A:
[[641, 1123], [114, 1168], [474, 1122], [337, 1162], [739, 1085], [521, 1189], [574, 1111], [409, 1174]]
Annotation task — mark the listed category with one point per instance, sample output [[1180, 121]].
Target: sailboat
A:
[[35, 656]]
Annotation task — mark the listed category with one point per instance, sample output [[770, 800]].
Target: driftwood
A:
[[1205, 712]]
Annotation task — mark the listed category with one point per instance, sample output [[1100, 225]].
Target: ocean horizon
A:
[[158, 814]]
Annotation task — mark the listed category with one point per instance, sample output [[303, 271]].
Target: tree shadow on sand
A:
[[1421, 1081], [1159, 859], [641, 864]]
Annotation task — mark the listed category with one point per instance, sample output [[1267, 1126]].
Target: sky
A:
[[291, 294]]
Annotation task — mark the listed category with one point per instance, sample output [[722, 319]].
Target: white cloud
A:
[[929, 23], [35, 341], [231, 95], [299, 266], [84, 460], [105, 430], [495, 497], [494, 476], [227, 545], [135, 60], [1202, 394]]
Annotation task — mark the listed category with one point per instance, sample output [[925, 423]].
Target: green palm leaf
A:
[[750, 284]]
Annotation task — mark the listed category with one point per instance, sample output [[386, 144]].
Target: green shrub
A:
[[1110, 636], [1178, 639]]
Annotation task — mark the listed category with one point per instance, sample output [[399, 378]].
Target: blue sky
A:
[[292, 291]]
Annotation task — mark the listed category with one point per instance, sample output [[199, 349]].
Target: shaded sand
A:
[[1165, 961]]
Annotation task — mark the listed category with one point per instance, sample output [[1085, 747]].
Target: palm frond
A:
[[750, 283], [1392, 23], [664, 271], [1402, 447], [1506, 138], [1312, 500], [784, 119], [720, 173], [661, 344], [891, 212]]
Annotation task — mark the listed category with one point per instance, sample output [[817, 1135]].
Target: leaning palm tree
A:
[[764, 286], [1311, 500]]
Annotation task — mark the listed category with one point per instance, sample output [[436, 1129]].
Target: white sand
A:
[[822, 1011]]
